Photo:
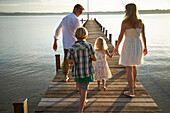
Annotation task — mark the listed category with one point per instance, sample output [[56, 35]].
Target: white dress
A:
[[102, 70], [132, 50]]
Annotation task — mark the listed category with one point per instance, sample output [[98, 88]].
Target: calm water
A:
[[27, 62]]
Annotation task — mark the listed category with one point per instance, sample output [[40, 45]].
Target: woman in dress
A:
[[132, 50]]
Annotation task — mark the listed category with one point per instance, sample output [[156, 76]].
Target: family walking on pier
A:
[[81, 53]]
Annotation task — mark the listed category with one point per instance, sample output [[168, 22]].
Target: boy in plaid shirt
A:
[[81, 54]]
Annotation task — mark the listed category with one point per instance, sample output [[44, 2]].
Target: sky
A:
[[59, 6]]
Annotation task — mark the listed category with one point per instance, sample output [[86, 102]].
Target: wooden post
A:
[[98, 23], [58, 62], [110, 38], [115, 43], [106, 33], [20, 106], [103, 29]]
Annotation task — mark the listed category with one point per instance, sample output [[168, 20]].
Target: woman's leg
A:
[[130, 79], [134, 75]]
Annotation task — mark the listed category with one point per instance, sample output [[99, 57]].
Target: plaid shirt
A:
[[81, 53]]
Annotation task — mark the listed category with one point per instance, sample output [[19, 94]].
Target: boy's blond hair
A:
[[81, 33], [100, 44]]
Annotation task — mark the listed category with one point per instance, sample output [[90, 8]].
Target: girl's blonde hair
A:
[[131, 15], [81, 33], [100, 44]]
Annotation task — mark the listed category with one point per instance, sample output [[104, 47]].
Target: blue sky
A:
[[67, 5]]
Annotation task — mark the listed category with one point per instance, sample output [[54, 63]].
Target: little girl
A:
[[102, 71]]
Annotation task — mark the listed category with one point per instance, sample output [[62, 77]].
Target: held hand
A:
[[145, 51], [115, 50], [55, 45]]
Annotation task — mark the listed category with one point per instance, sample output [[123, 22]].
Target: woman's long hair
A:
[[131, 16]]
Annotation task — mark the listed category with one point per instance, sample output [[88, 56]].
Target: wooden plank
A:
[[95, 89], [92, 92], [92, 83], [115, 109], [76, 95], [97, 104], [107, 109], [112, 109], [111, 100]]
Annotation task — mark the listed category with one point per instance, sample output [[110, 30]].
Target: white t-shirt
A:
[[68, 26]]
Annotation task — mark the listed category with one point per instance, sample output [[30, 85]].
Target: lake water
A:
[[27, 61]]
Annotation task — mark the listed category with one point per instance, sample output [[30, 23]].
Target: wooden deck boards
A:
[[62, 97]]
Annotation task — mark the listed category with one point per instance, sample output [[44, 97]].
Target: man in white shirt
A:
[[68, 25]]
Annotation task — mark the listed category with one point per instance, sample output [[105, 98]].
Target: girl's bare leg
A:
[[98, 82], [104, 87], [134, 75]]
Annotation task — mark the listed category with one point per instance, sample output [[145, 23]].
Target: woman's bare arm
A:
[[144, 40]]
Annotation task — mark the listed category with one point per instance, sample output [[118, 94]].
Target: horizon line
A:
[[86, 11]]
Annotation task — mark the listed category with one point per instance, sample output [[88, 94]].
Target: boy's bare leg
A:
[[82, 100], [80, 92], [77, 86], [79, 89]]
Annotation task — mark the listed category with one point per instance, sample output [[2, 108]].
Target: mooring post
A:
[[20, 106], [58, 62], [103, 29], [115, 43], [106, 33], [110, 38]]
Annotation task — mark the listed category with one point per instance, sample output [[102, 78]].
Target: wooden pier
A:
[[62, 97]]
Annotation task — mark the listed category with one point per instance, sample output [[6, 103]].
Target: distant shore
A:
[[157, 11]]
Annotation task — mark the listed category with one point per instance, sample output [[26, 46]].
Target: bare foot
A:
[[129, 94], [134, 86], [99, 88], [66, 79], [86, 101], [104, 88], [77, 90]]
